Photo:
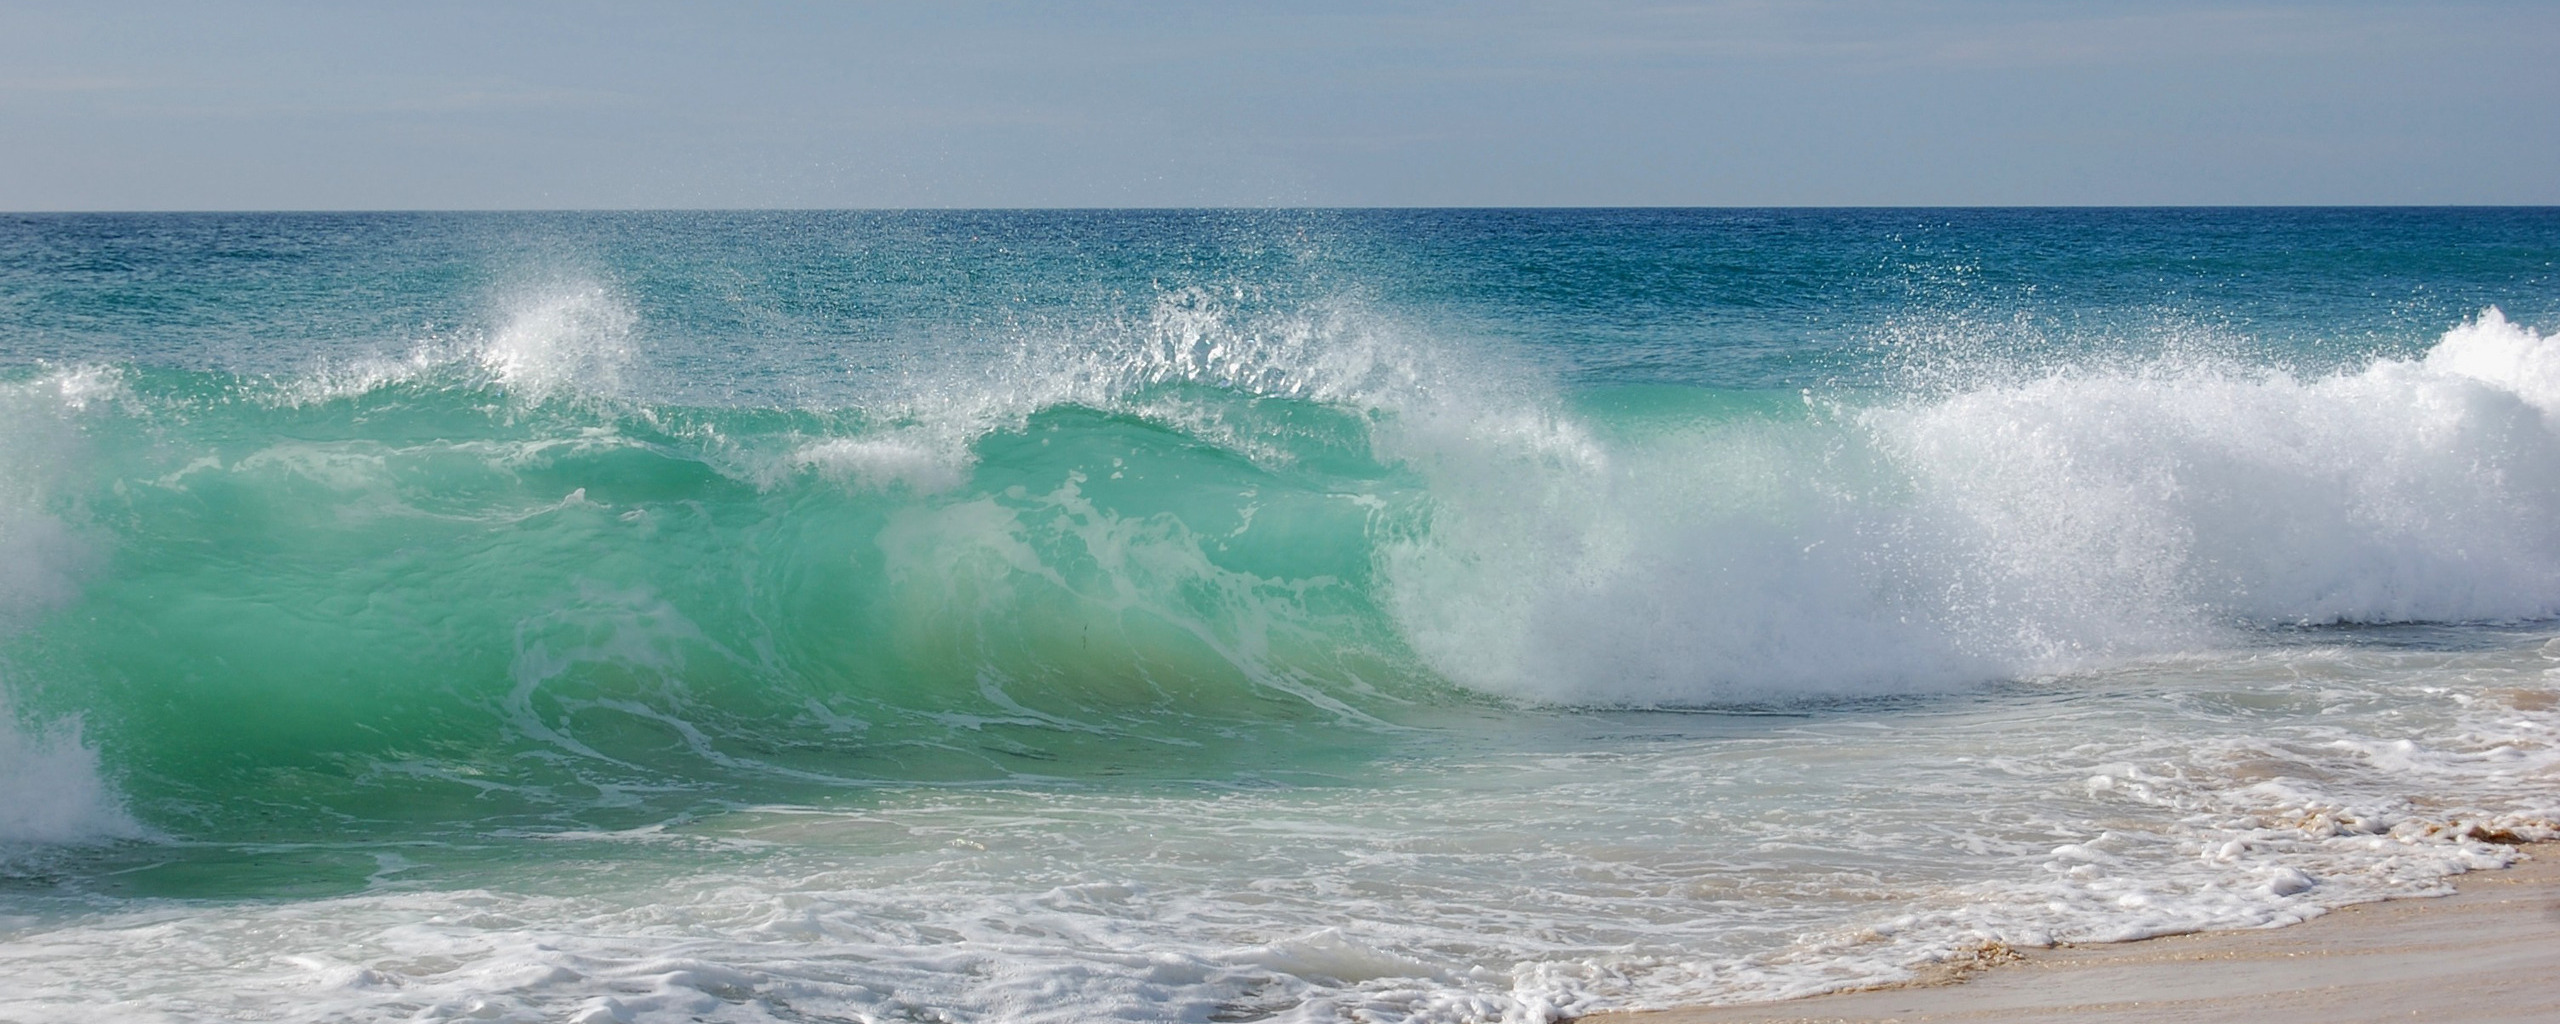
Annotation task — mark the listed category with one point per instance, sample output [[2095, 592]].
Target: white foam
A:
[[922, 464], [1705, 567], [924, 425], [2178, 495], [41, 558], [2503, 355], [2071, 520], [1485, 882], [52, 792], [575, 339], [543, 342]]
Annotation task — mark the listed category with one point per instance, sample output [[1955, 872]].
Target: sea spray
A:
[[2063, 522], [2174, 497], [41, 555], [52, 793]]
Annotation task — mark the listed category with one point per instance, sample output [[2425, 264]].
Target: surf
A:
[[489, 571], [1230, 615]]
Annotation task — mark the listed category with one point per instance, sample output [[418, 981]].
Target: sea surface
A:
[[1430, 616]]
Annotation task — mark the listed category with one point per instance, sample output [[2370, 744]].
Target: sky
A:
[[108, 105]]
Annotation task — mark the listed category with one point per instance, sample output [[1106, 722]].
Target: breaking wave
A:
[[491, 566]]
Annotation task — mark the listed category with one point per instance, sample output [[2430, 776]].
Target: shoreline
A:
[[2490, 952]]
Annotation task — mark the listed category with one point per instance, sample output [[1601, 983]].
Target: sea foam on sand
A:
[[2488, 954]]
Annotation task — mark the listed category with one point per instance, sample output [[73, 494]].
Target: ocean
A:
[[1374, 615]]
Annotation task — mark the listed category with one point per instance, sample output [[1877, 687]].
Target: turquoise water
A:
[[1385, 615]]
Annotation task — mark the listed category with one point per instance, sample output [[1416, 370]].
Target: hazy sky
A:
[[109, 105]]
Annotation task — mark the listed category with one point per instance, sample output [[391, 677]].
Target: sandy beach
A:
[[2490, 952]]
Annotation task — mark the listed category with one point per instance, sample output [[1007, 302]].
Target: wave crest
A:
[[2081, 517]]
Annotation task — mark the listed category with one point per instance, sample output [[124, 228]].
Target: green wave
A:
[[431, 601]]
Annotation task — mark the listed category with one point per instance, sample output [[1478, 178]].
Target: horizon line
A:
[[1558, 207]]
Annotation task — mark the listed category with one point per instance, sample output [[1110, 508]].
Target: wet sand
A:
[[2489, 953]]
